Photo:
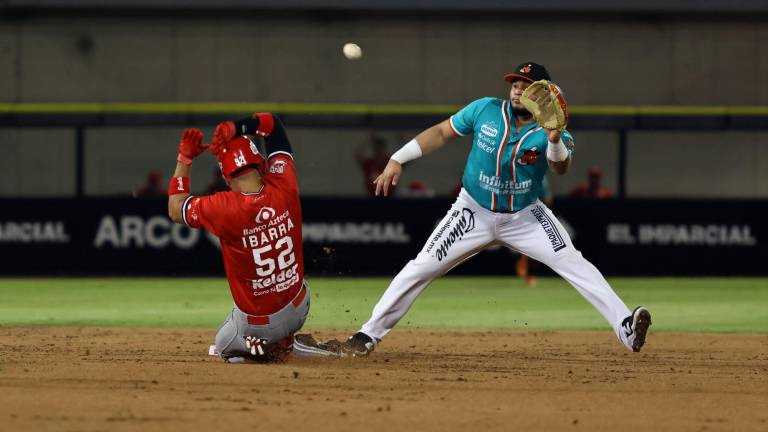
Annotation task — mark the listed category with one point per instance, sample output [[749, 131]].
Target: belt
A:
[[465, 195], [264, 319]]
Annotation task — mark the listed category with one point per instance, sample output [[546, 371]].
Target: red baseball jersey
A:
[[260, 235]]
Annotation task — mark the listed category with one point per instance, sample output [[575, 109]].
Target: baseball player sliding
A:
[[512, 148], [259, 224]]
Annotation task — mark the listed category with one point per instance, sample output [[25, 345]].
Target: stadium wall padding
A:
[[352, 237]]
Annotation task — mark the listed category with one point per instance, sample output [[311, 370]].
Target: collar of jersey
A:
[[254, 193]]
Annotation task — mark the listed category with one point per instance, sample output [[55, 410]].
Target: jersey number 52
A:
[[266, 266]]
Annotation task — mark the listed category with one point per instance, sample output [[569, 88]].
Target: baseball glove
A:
[[546, 102]]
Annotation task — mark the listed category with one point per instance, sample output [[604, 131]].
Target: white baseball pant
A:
[[467, 229]]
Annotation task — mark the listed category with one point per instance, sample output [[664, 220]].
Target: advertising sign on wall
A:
[[124, 236]]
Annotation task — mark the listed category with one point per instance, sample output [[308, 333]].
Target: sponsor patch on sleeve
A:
[[277, 167]]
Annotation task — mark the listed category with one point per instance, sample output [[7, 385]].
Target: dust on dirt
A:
[[90, 379]]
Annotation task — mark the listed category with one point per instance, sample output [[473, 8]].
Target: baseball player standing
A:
[[498, 204], [259, 224]]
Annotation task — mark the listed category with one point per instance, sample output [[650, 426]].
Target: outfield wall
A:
[[377, 237], [432, 58], [101, 149]]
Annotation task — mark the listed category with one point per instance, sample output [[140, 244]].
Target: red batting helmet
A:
[[239, 154]]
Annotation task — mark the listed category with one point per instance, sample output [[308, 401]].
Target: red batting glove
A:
[[224, 132], [191, 146]]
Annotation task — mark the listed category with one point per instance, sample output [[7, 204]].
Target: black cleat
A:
[[358, 345], [636, 328]]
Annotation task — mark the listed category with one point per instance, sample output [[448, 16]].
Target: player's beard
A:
[[523, 113]]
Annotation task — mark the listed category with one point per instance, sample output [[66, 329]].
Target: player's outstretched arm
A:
[[435, 137], [558, 156], [426, 142], [277, 141], [190, 147], [178, 192]]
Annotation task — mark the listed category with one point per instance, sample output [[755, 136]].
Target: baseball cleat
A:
[[635, 328], [307, 346], [358, 345]]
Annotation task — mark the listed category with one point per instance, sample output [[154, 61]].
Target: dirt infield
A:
[[89, 379]]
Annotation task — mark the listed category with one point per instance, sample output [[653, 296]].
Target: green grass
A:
[[678, 304]]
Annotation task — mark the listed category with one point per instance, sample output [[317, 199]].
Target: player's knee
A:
[[226, 339], [557, 258]]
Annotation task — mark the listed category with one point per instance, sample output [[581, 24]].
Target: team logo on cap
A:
[[525, 69], [265, 214], [254, 149]]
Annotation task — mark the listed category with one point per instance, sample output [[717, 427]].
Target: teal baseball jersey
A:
[[505, 168]]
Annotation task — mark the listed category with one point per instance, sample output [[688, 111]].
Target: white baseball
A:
[[352, 51]]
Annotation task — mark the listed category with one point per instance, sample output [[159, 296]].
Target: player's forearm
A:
[[269, 127], [182, 170], [426, 142], [558, 155], [560, 167], [176, 201], [277, 141], [435, 137]]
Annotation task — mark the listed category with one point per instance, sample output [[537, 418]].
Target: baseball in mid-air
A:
[[352, 51]]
